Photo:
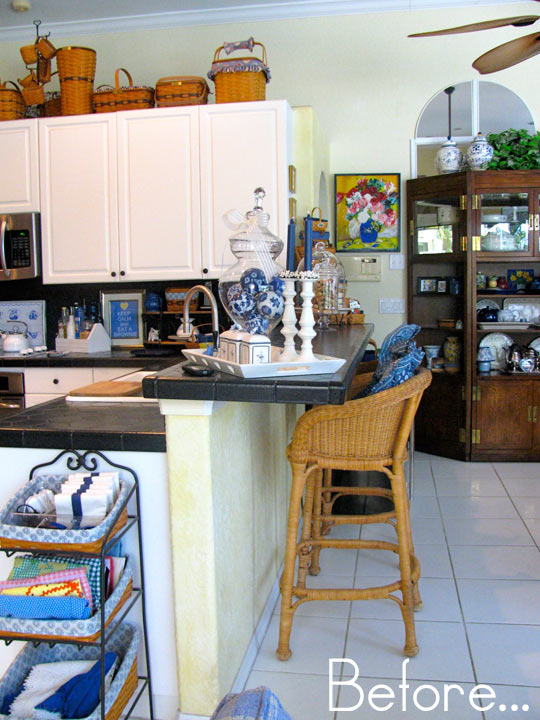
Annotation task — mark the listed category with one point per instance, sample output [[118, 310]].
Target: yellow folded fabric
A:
[[66, 588]]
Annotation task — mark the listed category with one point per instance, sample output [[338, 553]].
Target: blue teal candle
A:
[[308, 243], [291, 244]]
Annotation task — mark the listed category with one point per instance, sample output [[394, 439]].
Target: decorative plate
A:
[[487, 303], [535, 344], [498, 342], [528, 308]]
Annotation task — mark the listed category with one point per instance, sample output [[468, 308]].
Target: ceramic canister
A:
[[449, 158], [479, 153]]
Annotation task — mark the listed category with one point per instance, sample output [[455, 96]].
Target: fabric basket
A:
[[37, 538], [76, 70], [174, 297], [124, 642], [84, 631], [241, 79], [319, 227], [12, 105], [132, 97], [181, 90]]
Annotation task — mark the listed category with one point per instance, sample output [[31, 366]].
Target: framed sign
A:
[[122, 316], [367, 212]]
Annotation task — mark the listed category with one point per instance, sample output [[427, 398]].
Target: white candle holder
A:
[[307, 322], [289, 322]]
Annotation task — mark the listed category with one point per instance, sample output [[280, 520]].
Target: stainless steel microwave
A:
[[20, 246]]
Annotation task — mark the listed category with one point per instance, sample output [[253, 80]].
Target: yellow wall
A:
[[366, 81]]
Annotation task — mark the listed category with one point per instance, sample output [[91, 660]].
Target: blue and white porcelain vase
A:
[[449, 158], [479, 153]]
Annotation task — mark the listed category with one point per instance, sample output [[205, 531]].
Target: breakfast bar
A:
[[229, 487]]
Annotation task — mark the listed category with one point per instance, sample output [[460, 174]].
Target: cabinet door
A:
[[158, 188], [243, 146], [79, 198], [506, 222], [504, 415], [19, 181]]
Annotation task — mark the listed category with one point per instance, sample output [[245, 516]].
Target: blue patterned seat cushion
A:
[[257, 704], [398, 359]]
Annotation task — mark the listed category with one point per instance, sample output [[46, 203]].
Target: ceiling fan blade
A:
[[518, 21], [508, 54]]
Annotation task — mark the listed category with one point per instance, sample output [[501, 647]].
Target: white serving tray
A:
[[322, 364], [495, 326]]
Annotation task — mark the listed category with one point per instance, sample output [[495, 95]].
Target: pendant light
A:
[[449, 157]]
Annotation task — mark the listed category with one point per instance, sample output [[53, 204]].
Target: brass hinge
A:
[[475, 202], [462, 202], [531, 221], [476, 241], [532, 413], [463, 243], [537, 222], [411, 228], [463, 392], [462, 435], [475, 393], [475, 437], [529, 413]]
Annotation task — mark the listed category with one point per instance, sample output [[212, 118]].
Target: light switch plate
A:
[[361, 268], [389, 306], [397, 261]]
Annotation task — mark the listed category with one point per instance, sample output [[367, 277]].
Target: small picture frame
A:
[[442, 286], [122, 316], [292, 179], [427, 285]]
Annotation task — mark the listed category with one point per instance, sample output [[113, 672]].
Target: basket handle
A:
[[319, 224], [10, 82], [241, 45], [117, 78]]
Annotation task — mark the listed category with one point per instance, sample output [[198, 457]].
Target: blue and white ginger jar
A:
[[479, 153], [449, 158]]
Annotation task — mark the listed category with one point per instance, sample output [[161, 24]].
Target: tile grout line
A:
[[536, 544]]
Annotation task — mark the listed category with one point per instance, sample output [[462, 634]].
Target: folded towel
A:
[[44, 584], [111, 477], [79, 696], [89, 506], [42, 681], [257, 704], [44, 608]]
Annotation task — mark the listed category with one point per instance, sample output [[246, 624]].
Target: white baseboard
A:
[[252, 650]]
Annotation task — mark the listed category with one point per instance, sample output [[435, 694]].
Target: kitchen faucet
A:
[[215, 321]]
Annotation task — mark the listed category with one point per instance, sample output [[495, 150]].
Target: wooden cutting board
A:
[[108, 388]]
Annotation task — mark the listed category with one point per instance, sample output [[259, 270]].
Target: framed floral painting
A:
[[367, 213]]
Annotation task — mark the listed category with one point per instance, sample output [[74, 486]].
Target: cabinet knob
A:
[[122, 273], [113, 274], [205, 270], [56, 381]]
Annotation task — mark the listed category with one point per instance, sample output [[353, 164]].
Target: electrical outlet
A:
[[390, 306]]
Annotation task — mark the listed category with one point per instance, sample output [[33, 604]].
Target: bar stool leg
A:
[[327, 500], [287, 579], [417, 599], [314, 567], [306, 551], [399, 492]]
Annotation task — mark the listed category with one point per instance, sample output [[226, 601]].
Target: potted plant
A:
[[514, 150]]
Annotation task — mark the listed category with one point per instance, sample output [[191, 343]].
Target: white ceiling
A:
[[61, 17]]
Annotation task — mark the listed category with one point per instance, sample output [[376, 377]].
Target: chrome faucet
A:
[[215, 320]]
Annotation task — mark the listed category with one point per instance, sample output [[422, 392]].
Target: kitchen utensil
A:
[[498, 342], [15, 340]]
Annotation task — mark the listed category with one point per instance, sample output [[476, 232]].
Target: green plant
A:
[[514, 150]]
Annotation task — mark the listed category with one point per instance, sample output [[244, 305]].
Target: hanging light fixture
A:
[[449, 157]]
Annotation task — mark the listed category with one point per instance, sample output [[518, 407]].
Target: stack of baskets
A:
[[181, 90], [12, 106], [241, 79], [133, 97]]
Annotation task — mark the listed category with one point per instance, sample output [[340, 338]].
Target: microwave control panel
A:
[[18, 253]]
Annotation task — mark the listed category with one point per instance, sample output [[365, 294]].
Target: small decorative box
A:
[[229, 345], [254, 349]]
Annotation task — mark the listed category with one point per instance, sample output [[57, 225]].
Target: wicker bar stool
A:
[[370, 433]]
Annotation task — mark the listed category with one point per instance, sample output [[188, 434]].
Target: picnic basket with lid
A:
[[240, 79], [181, 90], [12, 105], [132, 97]]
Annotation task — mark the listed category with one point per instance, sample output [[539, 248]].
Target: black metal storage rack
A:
[[88, 461]]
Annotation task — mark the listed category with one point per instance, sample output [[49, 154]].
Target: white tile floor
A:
[[477, 535]]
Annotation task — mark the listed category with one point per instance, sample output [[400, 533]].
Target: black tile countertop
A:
[[138, 427], [114, 358], [347, 342]]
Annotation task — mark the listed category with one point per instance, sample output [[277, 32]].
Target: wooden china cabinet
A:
[[460, 225]]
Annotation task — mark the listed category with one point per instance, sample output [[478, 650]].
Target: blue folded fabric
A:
[[79, 697], [44, 608], [257, 704]]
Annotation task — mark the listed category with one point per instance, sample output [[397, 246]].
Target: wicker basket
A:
[[76, 69], [53, 105], [133, 97], [181, 90], [174, 297], [33, 94], [12, 105], [242, 79]]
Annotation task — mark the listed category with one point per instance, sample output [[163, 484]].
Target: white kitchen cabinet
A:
[[138, 196], [79, 223], [243, 146], [19, 174]]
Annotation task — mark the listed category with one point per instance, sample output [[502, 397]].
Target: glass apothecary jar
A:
[[251, 290], [330, 288]]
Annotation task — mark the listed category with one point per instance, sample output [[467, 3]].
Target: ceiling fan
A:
[[503, 56]]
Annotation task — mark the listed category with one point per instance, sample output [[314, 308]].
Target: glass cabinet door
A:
[[437, 226], [504, 223]]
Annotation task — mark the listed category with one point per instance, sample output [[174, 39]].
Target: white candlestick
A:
[[289, 323], [307, 322]]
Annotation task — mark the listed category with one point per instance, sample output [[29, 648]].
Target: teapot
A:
[[514, 355], [486, 315], [15, 341]]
